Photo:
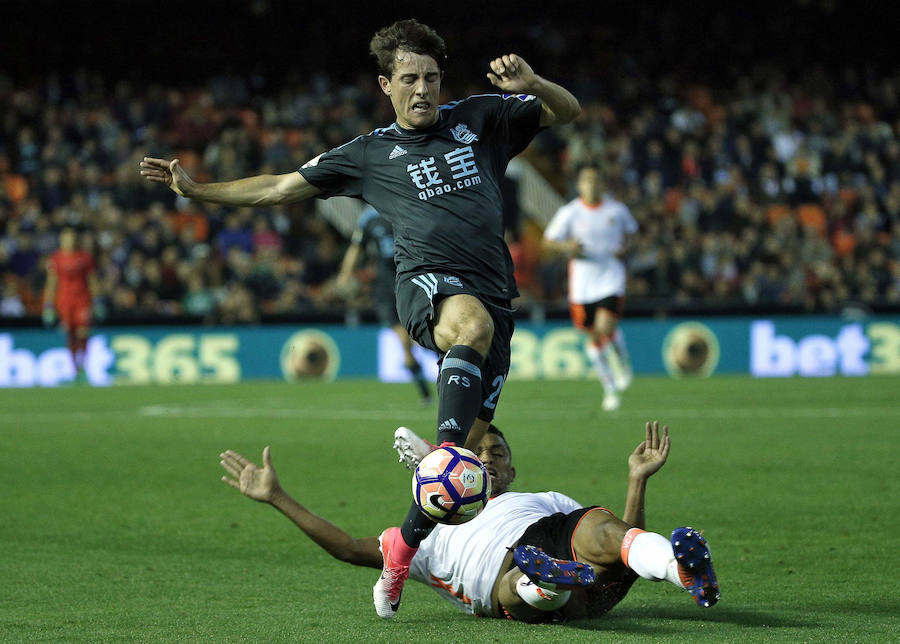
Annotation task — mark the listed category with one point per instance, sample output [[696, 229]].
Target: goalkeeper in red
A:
[[435, 175], [70, 295]]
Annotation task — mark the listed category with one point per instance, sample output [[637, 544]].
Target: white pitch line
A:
[[177, 411], [398, 413], [174, 411]]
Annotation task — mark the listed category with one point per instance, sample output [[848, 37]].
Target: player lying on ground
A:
[[472, 565]]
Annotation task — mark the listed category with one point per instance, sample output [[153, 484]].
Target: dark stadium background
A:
[[588, 47], [184, 41]]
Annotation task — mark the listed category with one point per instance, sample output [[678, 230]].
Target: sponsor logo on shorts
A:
[[453, 281]]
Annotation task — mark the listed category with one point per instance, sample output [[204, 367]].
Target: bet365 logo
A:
[[856, 350]]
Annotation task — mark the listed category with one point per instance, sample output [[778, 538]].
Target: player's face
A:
[[414, 89], [494, 453], [67, 239], [590, 185]]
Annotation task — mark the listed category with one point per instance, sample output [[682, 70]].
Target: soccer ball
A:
[[451, 485]]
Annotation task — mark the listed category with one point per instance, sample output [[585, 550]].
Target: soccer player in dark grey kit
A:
[[435, 175], [374, 237]]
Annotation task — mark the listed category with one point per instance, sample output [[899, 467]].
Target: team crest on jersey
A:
[[522, 97], [462, 134], [453, 281]]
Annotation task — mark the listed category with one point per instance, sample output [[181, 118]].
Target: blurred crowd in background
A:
[[759, 188]]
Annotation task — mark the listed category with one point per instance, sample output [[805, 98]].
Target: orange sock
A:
[[627, 541]]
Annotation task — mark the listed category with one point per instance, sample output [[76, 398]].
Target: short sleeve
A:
[[338, 172], [518, 120], [564, 503], [558, 228], [631, 225]]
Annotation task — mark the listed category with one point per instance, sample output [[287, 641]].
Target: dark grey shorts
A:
[[417, 297]]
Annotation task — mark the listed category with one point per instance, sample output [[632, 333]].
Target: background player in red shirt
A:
[[68, 294]]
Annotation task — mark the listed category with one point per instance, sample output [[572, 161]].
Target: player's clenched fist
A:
[[511, 73]]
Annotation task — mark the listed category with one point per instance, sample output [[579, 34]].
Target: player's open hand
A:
[[651, 453], [512, 74], [258, 483], [168, 172]]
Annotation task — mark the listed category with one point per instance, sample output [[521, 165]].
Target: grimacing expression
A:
[[494, 453], [414, 89], [590, 185]]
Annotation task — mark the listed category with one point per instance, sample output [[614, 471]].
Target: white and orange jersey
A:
[[462, 562], [601, 231]]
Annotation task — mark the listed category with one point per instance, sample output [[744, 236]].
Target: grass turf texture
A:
[[117, 527]]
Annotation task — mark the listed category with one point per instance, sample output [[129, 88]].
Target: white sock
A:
[[610, 358], [598, 361], [541, 596], [618, 342], [651, 556]]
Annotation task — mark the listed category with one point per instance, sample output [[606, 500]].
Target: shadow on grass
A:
[[648, 620]]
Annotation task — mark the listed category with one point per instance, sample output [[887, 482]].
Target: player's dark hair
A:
[[75, 229], [410, 35], [591, 165], [492, 429]]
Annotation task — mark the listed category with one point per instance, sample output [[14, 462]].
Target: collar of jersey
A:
[[428, 130]]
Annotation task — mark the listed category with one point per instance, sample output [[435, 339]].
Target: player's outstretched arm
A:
[[568, 248], [49, 311], [261, 484], [262, 190], [351, 258], [513, 75], [646, 459]]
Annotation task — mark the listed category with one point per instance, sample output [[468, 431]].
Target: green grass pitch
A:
[[116, 527]]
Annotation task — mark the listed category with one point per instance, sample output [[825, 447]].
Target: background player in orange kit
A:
[[69, 292]]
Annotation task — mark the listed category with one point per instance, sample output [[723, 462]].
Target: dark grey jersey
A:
[[440, 187]]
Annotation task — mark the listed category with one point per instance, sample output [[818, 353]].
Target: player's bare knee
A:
[[605, 326], [598, 338], [462, 319], [598, 539], [477, 333]]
